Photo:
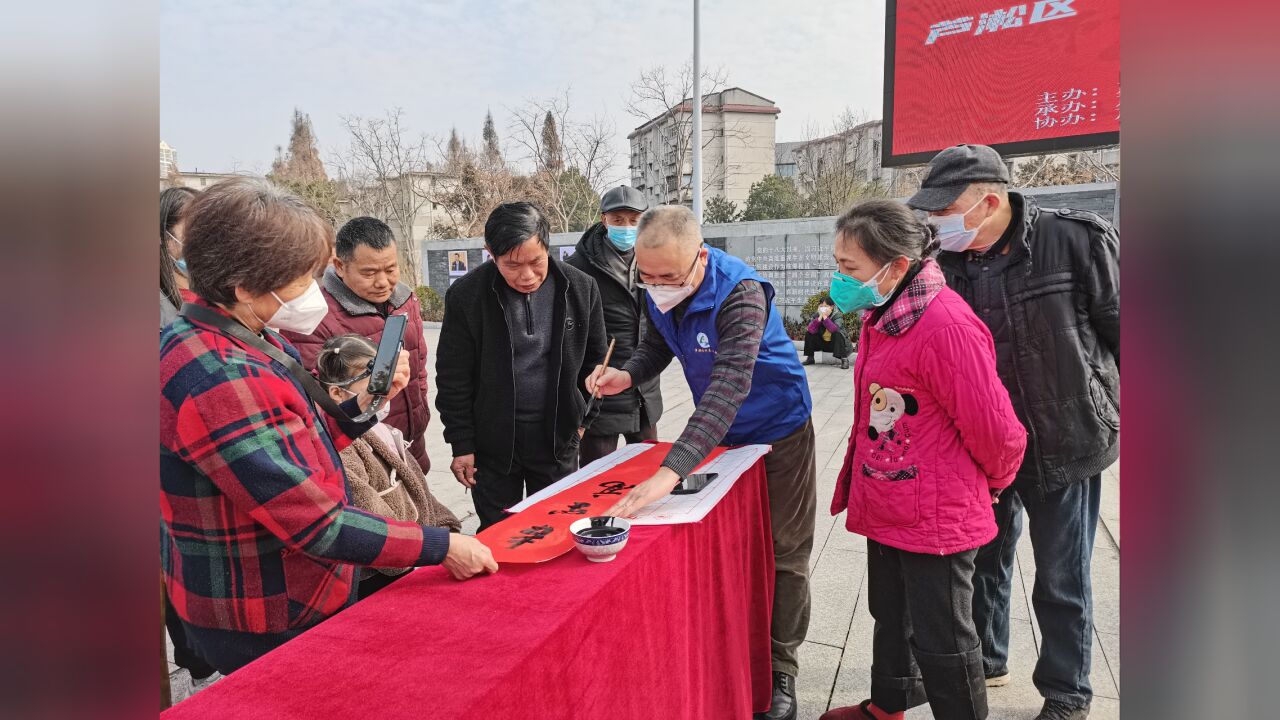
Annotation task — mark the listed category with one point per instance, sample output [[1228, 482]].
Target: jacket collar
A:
[[353, 303], [592, 247], [1025, 213], [899, 317]]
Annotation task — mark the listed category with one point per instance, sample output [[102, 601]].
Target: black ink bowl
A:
[[600, 538]]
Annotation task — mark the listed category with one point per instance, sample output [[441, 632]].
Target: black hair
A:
[[888, 229], [368, 231], [343, 357], [172, 202], [510, 225], [826, 300]]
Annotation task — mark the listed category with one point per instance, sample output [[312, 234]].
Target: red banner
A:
[[541, 532]]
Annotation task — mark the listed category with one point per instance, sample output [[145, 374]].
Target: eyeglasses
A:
[[682, 283]]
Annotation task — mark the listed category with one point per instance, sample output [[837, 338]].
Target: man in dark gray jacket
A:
[[606, 252], [523, 315], [1047, 284]]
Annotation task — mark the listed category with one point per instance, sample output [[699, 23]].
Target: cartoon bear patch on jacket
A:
[[887, 407], [890, 435]]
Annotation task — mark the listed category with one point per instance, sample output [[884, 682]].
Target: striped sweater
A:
[[740, 327]]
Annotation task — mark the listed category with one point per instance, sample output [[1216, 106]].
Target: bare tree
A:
[[667, 96], [566, 181], [1063, 169], [383, 170], [836, 169]]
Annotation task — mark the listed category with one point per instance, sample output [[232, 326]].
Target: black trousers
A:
[[925, 647], [594, 447], [838, 345], [184, 656], [533, 467]]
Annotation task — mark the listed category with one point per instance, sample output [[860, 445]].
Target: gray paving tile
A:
[[833, 592], [818, 667]]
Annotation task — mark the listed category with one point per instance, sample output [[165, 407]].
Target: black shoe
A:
[[844, 363], [808, 361], [784, 705], [1058, 710]]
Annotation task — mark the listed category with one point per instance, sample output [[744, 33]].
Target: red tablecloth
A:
[[677, 626]]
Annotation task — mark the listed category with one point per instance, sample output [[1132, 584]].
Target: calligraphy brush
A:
[[576, 440]]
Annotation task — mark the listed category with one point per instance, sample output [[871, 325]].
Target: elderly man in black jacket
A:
[[520, 335], [606, 252], [1047, 284]]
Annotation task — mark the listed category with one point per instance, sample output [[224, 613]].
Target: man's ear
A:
[[338, 267]]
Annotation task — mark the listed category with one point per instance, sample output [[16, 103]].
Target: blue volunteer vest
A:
[[779, 402]]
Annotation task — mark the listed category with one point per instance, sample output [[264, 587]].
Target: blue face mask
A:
[[622, 237], [851, 294], [182, 265]]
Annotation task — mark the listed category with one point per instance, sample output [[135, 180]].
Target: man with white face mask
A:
[[1047, 285], [717, 314]]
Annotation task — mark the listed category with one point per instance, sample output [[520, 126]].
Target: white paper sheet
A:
[[672, 509]]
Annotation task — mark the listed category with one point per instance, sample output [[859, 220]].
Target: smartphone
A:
[[694, 483], [383, 367]]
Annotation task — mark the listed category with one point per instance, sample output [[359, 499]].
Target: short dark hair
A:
[[887, 229], [344, 357], [249, 233], [826, 300], [368, 231], [512, 224]]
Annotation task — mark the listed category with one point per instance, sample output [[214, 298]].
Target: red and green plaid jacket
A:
[[256, 533]]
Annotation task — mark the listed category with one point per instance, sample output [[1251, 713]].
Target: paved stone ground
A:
[[836, 660]]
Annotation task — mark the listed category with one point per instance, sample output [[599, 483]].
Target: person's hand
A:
[[468, 557], [655, 488], [399, 379], [463, 468], [607, 381], [995, 496]]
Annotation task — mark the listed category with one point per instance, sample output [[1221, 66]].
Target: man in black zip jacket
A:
[[520, 335], [1047, 284], [606, 252]]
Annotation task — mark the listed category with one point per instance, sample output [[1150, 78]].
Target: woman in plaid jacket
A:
[[258, 539]]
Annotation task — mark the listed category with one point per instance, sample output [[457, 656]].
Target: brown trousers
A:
[[793, 477]]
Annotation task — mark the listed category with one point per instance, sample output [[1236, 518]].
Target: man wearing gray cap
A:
[[1047, 284], [606, 252]]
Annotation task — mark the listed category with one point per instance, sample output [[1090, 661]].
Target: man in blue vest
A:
[[716, 314]]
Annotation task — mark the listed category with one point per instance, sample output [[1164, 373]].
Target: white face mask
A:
[[383, 411], [952, 235], [666, 297], [301, 314]]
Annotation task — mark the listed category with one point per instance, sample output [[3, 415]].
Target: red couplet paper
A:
[[541, 532]]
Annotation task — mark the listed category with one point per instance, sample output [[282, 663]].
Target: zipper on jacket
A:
[[528, 315], [1017, 376]]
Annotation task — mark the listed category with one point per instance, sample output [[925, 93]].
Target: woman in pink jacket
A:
[[934, 441]]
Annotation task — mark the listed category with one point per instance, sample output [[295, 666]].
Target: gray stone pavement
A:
[[835, 662]]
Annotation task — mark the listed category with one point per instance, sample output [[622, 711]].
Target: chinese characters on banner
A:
[[541, 531]]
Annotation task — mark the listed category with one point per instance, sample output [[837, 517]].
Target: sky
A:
[[232, 72]]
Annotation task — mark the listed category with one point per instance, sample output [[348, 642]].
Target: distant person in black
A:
[[606, 252]]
